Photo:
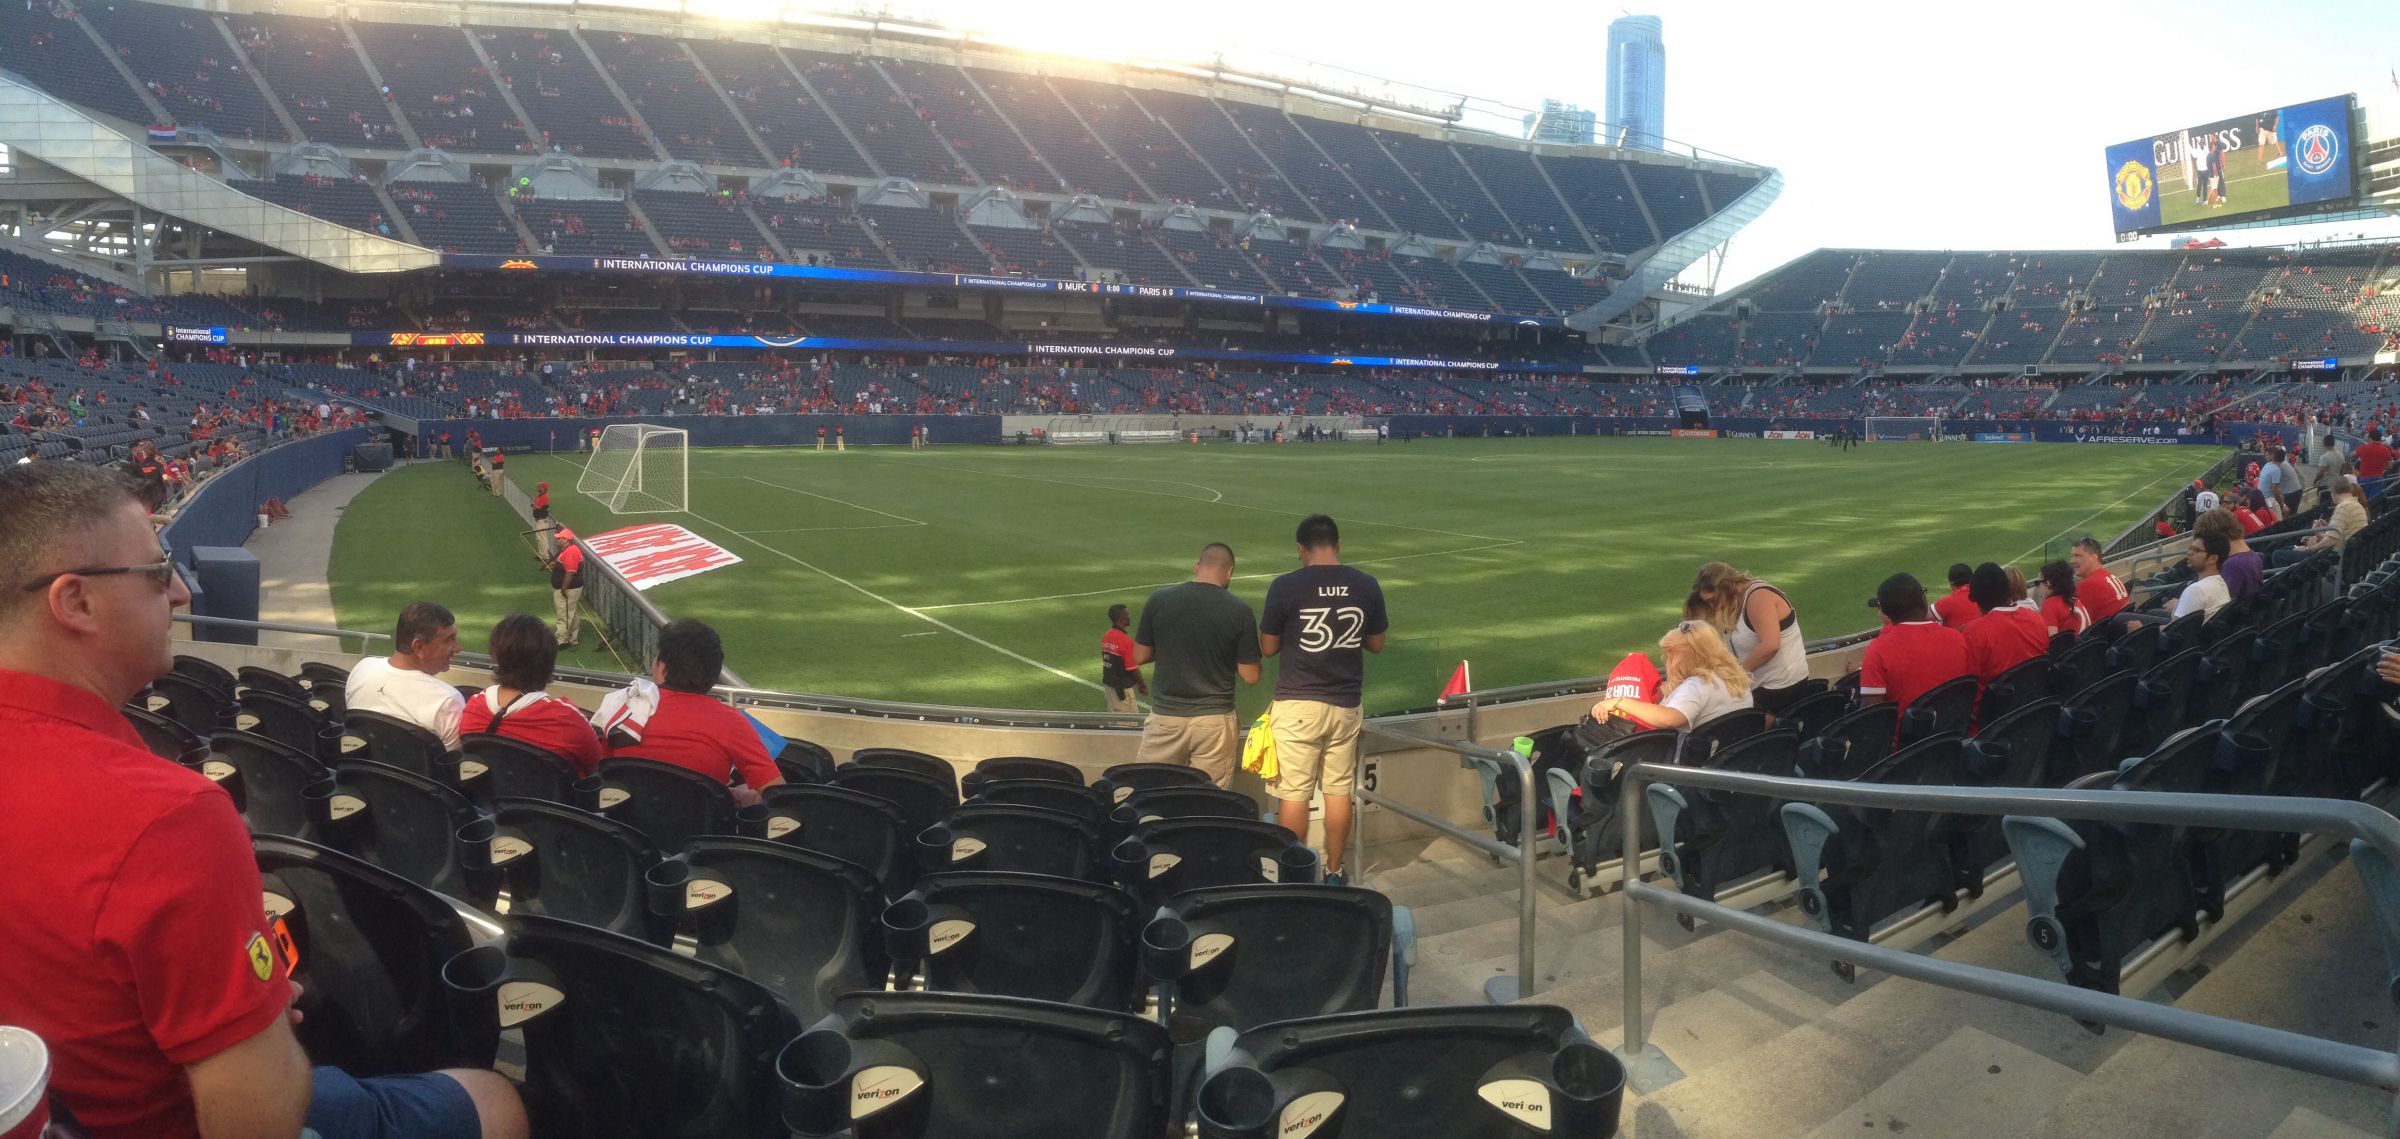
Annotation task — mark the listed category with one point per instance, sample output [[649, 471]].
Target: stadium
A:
[[797, 400]]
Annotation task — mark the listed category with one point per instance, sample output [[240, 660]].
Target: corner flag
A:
[[1459, 685]]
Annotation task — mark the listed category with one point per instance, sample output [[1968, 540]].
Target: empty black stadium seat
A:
[[922, 798], [1126, 778], [865, 829], [668, 803], [559, 862], [1877, 863], [2137, 649], [2159, 701], [801, 923], [963, 1066], [2221, 677], [1182, 803], [287, 721], [1018, 935], [2013, 688], [1940, 710], [206, 672], [2350, 740], [252, 677], [2092, 729], [996, 836], [931, 766], [1162, 859], [278, 790], [1452, 1073], [407, 824], [394, 742], [1811, 715], [2011, 751], [1073, 799], [1724, 731], [626, 1040], [2181, 634], [805, 762], [2275, 654], [1024, 767], [492, 768], [196, 704], [167, 739], [369, 946], [319, 678], [1712, 839], [2084, 660], [1852, 743], [1242, 956]]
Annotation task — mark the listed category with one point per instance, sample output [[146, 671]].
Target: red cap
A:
[[541, 486]]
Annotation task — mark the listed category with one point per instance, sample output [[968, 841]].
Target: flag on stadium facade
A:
[[1458, 686], [162, 133]]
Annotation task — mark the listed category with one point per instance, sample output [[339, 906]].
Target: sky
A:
[[1896, 125]]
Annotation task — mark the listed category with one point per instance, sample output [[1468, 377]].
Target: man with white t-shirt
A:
[[407, 685]]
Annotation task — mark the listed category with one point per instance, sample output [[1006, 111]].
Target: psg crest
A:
[[2133, 185], [2318, 149]]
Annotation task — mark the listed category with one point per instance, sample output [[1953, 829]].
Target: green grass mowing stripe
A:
[[1535, 558]]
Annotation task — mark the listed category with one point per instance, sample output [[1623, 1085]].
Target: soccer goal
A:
[[639, 469], [1902, 428]]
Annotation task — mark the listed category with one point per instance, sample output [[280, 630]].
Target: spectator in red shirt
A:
[[1118, 674], [1956, 609], [2100, 592], [1913, 653], [150, 971], [2009, 632], [2372, 459], [2061, 613], [692, 729], [518, 705]]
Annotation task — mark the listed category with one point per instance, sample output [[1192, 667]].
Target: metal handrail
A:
[[2373, 828], [1499, 990]]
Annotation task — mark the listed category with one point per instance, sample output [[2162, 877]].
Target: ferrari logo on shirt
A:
[[262, 958]]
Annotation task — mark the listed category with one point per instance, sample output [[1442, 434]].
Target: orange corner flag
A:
[[1459, 685]]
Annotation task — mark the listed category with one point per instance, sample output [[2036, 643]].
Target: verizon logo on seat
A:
[[659, 552]]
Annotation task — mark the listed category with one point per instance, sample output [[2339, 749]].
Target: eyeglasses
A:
[[161, 572]]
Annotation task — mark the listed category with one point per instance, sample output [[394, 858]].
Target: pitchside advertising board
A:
[[2280, 162]]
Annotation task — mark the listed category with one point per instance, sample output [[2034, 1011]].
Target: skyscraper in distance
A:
[[1563, 122], [1637, 83]]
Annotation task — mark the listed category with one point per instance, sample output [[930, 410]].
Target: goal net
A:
[[639, 469], [1901, 428]]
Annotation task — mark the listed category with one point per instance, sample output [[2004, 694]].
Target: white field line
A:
[[2044, 543], [820, 529], [864, 591], [830, 498], [1238, 577]]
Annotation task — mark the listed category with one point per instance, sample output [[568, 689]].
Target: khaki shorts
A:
[[1316, 747], [1120, 700], [1210, 743]]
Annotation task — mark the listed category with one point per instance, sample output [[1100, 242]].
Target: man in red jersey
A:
[[1913, 653], [1955, 608], [2372, 459], [1119, 676], [137, 943], [2009, 633], [690, 728], [2099, 590]]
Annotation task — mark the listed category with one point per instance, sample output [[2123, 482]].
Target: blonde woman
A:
[[1760, 627], [1703, 682]]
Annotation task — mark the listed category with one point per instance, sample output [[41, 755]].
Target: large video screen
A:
[[2234, 169]]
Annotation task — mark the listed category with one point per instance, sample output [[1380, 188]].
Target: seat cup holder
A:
[[1239, 1101], [817, 1072], [665, 884], [1296, 864], [1167, 947], [475, 844], [905, 928]]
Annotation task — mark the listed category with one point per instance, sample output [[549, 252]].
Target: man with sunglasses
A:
[[137, 945]]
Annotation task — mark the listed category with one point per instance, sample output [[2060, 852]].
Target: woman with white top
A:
[[1703, 682], [1758, 625]]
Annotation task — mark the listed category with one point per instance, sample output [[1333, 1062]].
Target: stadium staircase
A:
[[1773, 1043], [408, 130]]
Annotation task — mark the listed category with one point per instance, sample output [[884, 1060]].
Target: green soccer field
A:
[[2249, 186], [982, 575]]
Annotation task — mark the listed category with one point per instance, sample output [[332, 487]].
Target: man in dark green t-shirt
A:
[[1201, 636]]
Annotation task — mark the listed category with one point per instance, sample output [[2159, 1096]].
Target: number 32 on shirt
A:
[[1324, 629]]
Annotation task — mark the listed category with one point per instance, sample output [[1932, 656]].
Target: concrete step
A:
[[2305, 1124], [1725, 1022], [2308, 961], [1971, 1083]]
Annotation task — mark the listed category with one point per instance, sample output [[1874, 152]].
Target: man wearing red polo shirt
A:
[[690, 728], [1955, 608], [136, 942], [2099, 590], [2372, 459], [1914, 652]]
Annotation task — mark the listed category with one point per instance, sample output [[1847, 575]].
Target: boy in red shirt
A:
[[517, 705], [1955, 609], [2009, 633], [1914, 652], [2100, 592], [1119, 676]]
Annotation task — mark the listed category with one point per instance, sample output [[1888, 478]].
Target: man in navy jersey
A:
[[1329, 616]]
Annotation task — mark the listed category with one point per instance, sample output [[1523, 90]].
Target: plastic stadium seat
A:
[[1598, 835], [2247, 762], [250, 676], [1025, 767], [393, 742], [278, 790], [369, 949], [625, 1040], [1810, 715], [2011, 751], [1940, 710], [1424, 1073], [1074, 799], [2219, 679], [167, 739], [196, 704], [1018, 935], [961, 1066], [923, 799], [558, 862], [670, 804], [407, 824], [2137, 649], [1243, 956], [1717, 838], [2159, 701], [1126, 778], [865, 829], [2276, 655], [2181, 634], [492, 768], [287, 721], [1162, 859], [2322, 635], [2350, 737], [1876, 863], [1714, 736], [1851, 744], [2084, 661], [328, 688], [1026, 840], [206, 672], [2014, 688], [932, 766], [2096, 892], [1182, 803], [801, 923], [805, 762], [2092, 729]]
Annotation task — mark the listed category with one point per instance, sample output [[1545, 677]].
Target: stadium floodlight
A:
[[637, 468], [1902, 428]]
